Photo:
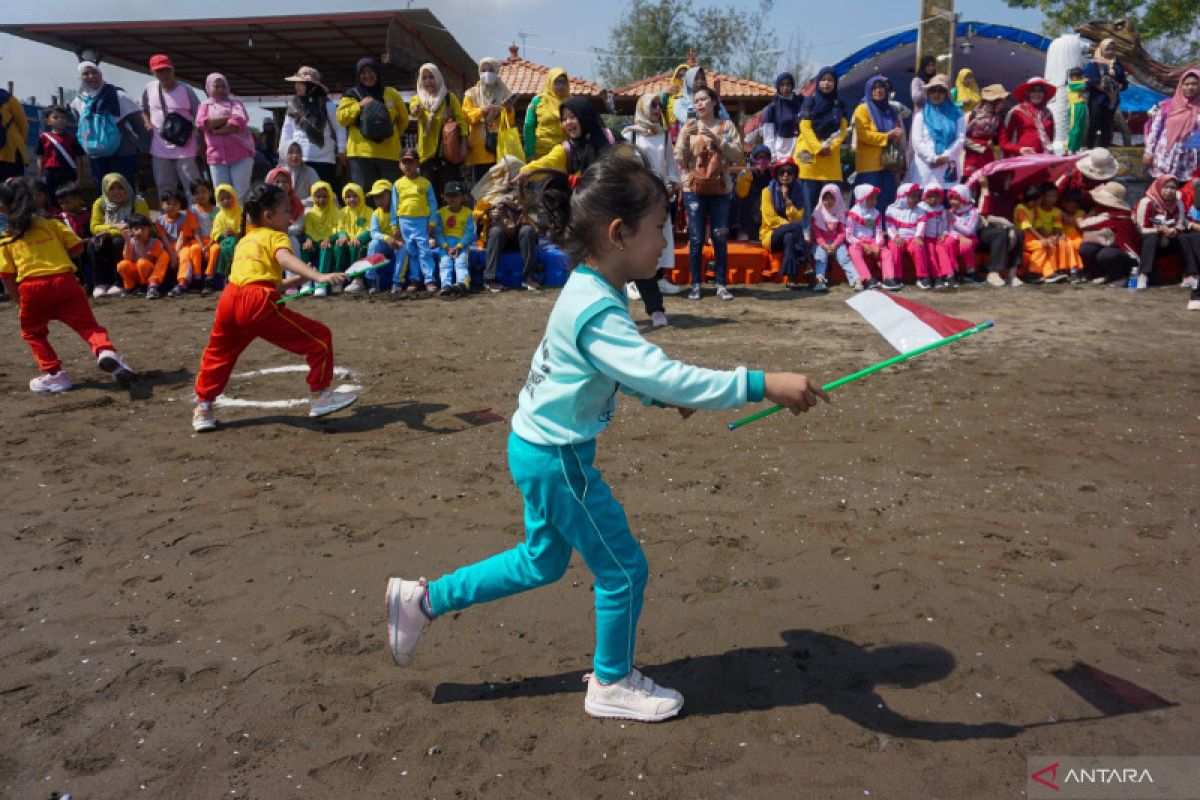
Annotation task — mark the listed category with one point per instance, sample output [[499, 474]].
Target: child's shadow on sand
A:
[[360, 417], [811, 667]]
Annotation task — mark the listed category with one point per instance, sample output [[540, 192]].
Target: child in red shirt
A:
[[36, 268], [56, 150]]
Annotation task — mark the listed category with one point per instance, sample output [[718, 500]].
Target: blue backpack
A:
[[98, 131]]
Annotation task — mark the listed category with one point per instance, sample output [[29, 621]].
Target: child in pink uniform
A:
[[964, 226], [864, 237], [901, 221], [934, 230]]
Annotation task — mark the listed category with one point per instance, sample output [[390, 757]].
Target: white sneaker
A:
[[405, 619], [1015, 281], [112, 363], [634, 697], [321, 291], [50, 382], [631, 291], [666, 287], [100, 291], [329, 401], [995, 279], [1189, 282], [1193, 305], [1142, 281], [356, 286], [115, 291], [724, 293], [204, 419], [659, 320]]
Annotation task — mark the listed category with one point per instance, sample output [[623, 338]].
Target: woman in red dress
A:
[[1029, 127]]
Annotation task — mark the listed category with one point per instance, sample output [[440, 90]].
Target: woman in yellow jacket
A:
[[782, 220], [372, 158], [487, 106], [432, 108], [818, 148], [543, 128], [876, 125], [110, 219]]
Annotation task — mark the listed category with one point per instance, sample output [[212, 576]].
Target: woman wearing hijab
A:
[[781, 121], [1173, 132], [586, 138], [110, 219], [925, 74], [486, 106], [983, 129], [684, 107], [104, 98], [1162, 220], [432, 108], [543, 127], [938, 134], [281, 178], [650, 135], [373, 131], [818, 147], [311, 122], [965, 93], [876, 125], [1106, 80], [229, 144], [1029, 126]]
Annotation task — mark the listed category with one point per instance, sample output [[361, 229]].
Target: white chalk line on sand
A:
[[226, 401]]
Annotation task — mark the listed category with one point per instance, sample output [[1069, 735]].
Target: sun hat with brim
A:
[[1111, 194], [381, 186], [938, 82], [1098, 164], [1022, 91], [306, 75], [993, 92]]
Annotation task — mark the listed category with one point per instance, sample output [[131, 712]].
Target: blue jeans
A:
[[456, 269], [420, 258], [842, 254], [381, 276], [884, 181], [707, 211], [567, 506]]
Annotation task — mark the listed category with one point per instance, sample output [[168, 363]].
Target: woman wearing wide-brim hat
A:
[[1111, 242], [311, 122], [1098, 166], [983, 129], [1029, 126]]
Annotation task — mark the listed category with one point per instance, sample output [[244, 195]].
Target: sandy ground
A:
[[891, 597]]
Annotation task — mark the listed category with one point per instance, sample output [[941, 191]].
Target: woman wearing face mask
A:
[[486, 106], [375, 117]]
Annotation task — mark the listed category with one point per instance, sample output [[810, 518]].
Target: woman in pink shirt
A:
[[230, 144]]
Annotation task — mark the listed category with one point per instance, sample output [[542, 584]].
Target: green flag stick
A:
[[733, 426], [354, 272]]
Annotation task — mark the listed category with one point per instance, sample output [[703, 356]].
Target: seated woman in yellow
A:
[[782, 226], [1047, 251]]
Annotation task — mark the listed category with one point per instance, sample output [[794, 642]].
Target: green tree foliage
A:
[[1168, 27], [653, 36]]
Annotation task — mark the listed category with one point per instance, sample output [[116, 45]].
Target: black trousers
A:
[[789, 239], [995, 240], [439, 172], [499, 240], [365, 171], [1185, 245], [652, 297], [1105, 262], [104, 253], [1100, 125]]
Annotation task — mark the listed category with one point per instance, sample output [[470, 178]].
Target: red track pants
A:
[[57, 297]]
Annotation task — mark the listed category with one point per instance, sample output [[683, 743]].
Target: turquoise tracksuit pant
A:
[[567, 506]]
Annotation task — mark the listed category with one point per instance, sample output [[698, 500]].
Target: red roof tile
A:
[[526, 79]]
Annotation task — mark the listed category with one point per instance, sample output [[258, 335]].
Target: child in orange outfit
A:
[[1072, 213], [36, 268], [145, 260], [1046, 251], [249, 310], [182, 231]]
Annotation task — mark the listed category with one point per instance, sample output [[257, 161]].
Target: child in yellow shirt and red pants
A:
[[36, 268], [249, 309]]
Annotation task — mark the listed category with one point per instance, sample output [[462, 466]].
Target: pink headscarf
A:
[[826, 220], [212, 78], [295, 204], [1181, 121]]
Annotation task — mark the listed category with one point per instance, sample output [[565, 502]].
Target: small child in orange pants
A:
[[36, 268], [181, 229], [145, 260], [1046, 251], [249, 309], [1072, 213]]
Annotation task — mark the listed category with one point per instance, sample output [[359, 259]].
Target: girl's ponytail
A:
[[261, 198], [17, 196]]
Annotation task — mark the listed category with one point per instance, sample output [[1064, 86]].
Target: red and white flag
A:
[[905, 324]]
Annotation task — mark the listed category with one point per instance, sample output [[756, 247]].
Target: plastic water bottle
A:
[[1133, 278]]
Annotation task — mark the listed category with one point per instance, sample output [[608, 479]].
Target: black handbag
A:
[[490, 140], [176, 129]]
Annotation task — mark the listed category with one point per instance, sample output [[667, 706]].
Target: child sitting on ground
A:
[[110, 219], [1046, 251], [36, 269], [456, 232], [934, 229], [354, 233], [320, 231], [864, 237], [385, 238], [829, 239], [74, 214], [963, 238], [226, 232], [145, 260], [1072, 208], [414, 211], [901, 221], [203, 208], [182, 231]]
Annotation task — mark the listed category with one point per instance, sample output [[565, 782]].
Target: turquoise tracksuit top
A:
[[591, 349]]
